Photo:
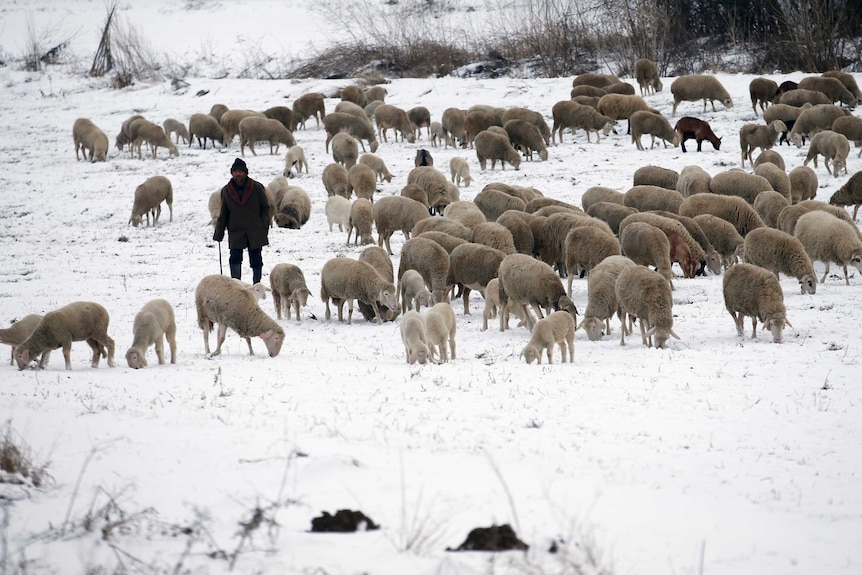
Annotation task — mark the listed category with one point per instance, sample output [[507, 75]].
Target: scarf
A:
[[240, 195]]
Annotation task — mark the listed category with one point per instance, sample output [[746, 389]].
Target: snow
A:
[[741, 450]]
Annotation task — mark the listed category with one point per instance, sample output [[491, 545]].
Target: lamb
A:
[[693, 180], [396, 213], [438, 134], [803, 184], [762, 91], [359, 128], [335, 181], [345, 150], [787, 114], [472, 266], [18, 332], [832, 146], [354, 94], [90, 140], [597, 194], [647, 77], [172, 126], [850, 194], [440, 326], [813, 120], [656, 125], [559, 328], [490, 146], [768, 205], [699, 87], [570, 114], [414, 337], [757, 136], [294, 158], [828, 239], [492, 304], [148, 199], [723, 237], [655, 176], [338, 212], [419, 117], [361, 218], [454, 121], [494, 203], [377, 164], [645, 198], [777, 178], [769, 157], [430, 259], [851, 128], [526, 137], [647, 245], [646, 295], [494, 235], [203, 126], [388, 116], [254, 129], [731, 208], [602, 301], [801, 96], [145, 131], [344, 279], [281, 113], [362, 181], [682, 246], [738, 183], [779, 252], [152, 325], [832, 87], [293, 208], [226, 302], [434, 184], [594, 79], [689, 128], [847, 80], [585, 248], [288, 289], [526, 280], [308, 106], [423, 158], [531, 116], [414, 293], [618, 106], [755, 292], [460, 171], [610, 213], [214, 205], [230, 123], [77, 321]]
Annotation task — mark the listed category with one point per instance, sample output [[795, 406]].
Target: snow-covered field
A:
[[740, 454]]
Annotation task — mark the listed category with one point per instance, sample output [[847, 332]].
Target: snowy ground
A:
[[741, 448]]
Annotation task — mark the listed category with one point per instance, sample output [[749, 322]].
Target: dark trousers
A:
[[255, 260]]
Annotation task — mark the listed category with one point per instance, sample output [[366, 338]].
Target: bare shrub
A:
[[17, 462], [41, 47]]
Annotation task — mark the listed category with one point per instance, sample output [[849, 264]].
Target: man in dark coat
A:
[[245, 215]]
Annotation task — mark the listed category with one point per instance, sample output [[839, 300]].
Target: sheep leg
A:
[[350, 312], [160, 350], [97, 354], [43, 361], [846, 278], [856, 207], [222, 331], [276, 300], [644, 340], [538, 311], [452, 344], [465, 294], [67, 349], [248, 341], [826, 273], [753, 327], [328, 314], [171, 336], [623, 329], [296, 308]]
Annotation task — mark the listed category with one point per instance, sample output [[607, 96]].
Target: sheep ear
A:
[[266, 335], [581, 325], [673, 333], [651, 331], [787, 321]]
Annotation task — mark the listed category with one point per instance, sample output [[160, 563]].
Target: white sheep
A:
[[753, 136], [803, 184], [172, 126], [433, 183], [762, 91], [770, 157], [335, 182], [738, 183], [387, 116], [262, 129], [293, 207], [654, 176], [526, 137], [361, 219], [619, 106], [646, 122], [776, 176], [338, 212], [362, 181], [18, 332], [768, 205], [610, 213], [800, 96], [348, 107], [602, 301], [559, 328], [647, 77], [308, 106], [154, 135], [832, 146], [495, 203], [491, 146], [430, 259], [153, 325], [850, 194], [89, 140], [851, 128], [646, 295], [294, 158], [440, 328], [214, 206], [834, 89], [492, 304], [815, 119], [779, 252], [472, 266], [77, 321], [531, 116], [460, 171], [377, 164], [438, 134], [731, 208], [525, 280], [572, 115], [413, 292], [645, 198], [359, 128], [723, 237], [755, 292], [393, 213], [289, 289], [415, 338], [203, 126], [343, 279], [230, 123], [420, 117], [647, 245], [696, 87], [596, 194], [828, 239], [586, 247], [693, 180], [148, 199]]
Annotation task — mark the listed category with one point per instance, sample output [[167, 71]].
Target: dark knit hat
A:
[[238, 164]]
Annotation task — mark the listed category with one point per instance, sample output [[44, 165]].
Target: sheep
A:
[[776, 176], [647, 77], [362, 181], [828, 239], [430, 259], [757, 136], [359, 128], [689, 128], [762, 91], [281, 113], [647, 245], [145, 131], [531, 116], [152, 325], [585, 90], [803, 184], [699, 87], [460, 171], [467, 213], [492, 304], [369, 109], [344, 279], [447, 225], [289, 289], [645, 198], [172, 126], [335, 181], [308, 106], [345, 150], [731, 208], [447, 241], [526, 280], [788, 217], [851, 128], [434, 184], [414, 337], [203, 126], [226, 302], [570, 114], [387, 116], [295, 157], [414, 293], [768, 205], [769, 157], [230, 122], [723, 237], [778, 251], [18, 332], [379, 259], [419, 117], [597, 194], [693, 180], [414, 192], [847, 80], [800, 96], [831, 87], [738, 183], [377, 164], [351, 108], [850, 194], [601, 296], [396, 213], [217, 111], [254, 129], [591, 101], [423, 158], [472, 266], [90, 140], [440, 327], [522, 235], [594, 79], [618, 106], [494, 235], [354, 94], [559, 328], [454, 121], [214, 205], [376, 93], [832, 146], [148, 199], [813, 120], [437, 134], [526, 194], [620, 88], [494, 203], [787, 114], [586, 247], [361, 218], [644, 122], [655, 176], [77, 321], [490, 146], [338, 212], [610, 213], [293, 208], [701, 248], [646, 295], [124, 137], [755, 292], [682, 247], [526, 137]]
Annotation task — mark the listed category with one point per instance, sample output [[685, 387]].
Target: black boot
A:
[[236, 271], [257, 273]]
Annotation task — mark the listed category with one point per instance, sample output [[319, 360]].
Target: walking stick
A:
[[220, 269]]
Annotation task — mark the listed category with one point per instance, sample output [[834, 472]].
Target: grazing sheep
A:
[[472, 266], [618, 106], [423, 158], [755, 292], [430, 259], [454, 121], [362, 181], [467, 213], [762, 91], [683, 248], [414, 192], [344, 279], [601, 296], [699, 245], [338, 212], [148, 199], [597, 194], [522, 235], [831, 87], [776, 176], [723, 237], [831, 146], [494, 235], [335, 181], [437, 134], [803, 184], [828, 239], [594, 79], [447, 241], [696, 87], [753, 136], [420, 117], [359, 128], [492, 304], [655, 176], [373, 93], [490, 146], [494, 203], [361, 218], [369, 109], [731, 208], [153, 325], [847, 80], [620, 88], [90, 140], [559, 328], [779, 252], [523, 193], [293, 208], [585, 90], [787, 114], [414, 293], [447, 225], [77, 321], [387, 116], [433, 183], [345, 150], [647, 245], [351, 108], [656, 125], [815, 119], [288, 289], [526, 137], [647, 77], [203, 126], [572, 115], [354, 94], [789, 215], [646, 295], [850, 194], [377, 164], [768, 205], [531, 116], [124, 137], [414, 337], [610, 213], [688, 128], [172, 126], [281, 113], [585, 248], [525, 280], [693, 180], [769, 157], [851, 128], [440, 327], [801, 96], [230, 122], [153, 134], [535, 205], [295, 157], [645, 198], [460, 171], [217, 111], [18, 332], [738, 183], [786, 86], [379, 259], [214, 205], [396, 213], [308, 106], [591, 101], [261, 129]]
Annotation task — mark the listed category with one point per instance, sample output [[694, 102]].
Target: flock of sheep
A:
[[511, 243]]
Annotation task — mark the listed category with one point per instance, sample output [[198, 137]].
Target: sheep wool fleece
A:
[[245, 214]]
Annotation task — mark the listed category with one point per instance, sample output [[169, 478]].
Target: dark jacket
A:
[[245, 217]]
